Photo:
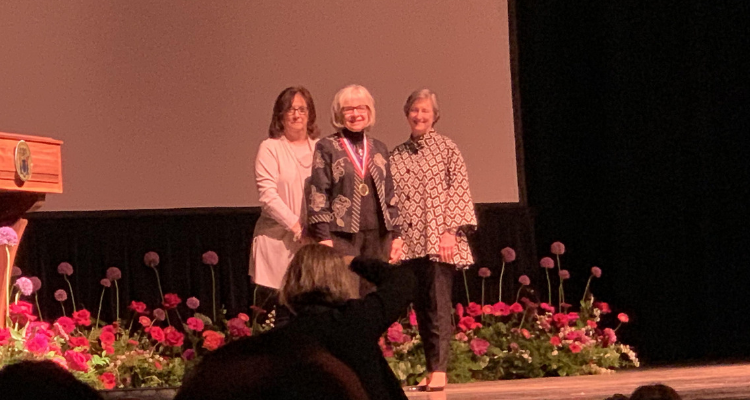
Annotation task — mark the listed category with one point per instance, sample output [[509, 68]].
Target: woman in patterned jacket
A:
[[437, 211], [351, 205]]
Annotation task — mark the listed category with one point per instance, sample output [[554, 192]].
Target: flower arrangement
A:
[[520, 338], [141, 349]]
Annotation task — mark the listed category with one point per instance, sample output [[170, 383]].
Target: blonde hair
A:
[[351, 91], [423, 94], [317, 269]]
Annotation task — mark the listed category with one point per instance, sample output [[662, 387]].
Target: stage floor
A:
[[708, 382]]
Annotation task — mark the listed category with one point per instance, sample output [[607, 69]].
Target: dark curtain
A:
[[635, 120], [95, 241]]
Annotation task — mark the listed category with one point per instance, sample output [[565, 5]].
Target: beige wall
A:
[[162, 104]]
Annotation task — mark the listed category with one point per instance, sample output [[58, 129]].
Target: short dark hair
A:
[[284, 103], [42, 380]]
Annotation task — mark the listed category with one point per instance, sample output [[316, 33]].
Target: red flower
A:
[[468, 323], [500, 308], [77, 361], [237, 328], [243, 317], [195, 324], [109, 328], [109, 349], [138, 307], [603, 307], [107, 338], [524, 280], [413, 318], [572, 316], [555, 341], [525, 333], [623, 318], [609, 337], [560, 319], [144, 320], [108, 380], [460, 336], [574, 348], [487, 310], [547, 262], [171, 301], [38, 344], [82, 317], [396, 333], [67, 324], [484, 272], [547, 307], [173, 337], [78, 341], [4, 336], [474, 309], [591, 323], [133, 342], [157, 365], [596, 271], [384, 348], [479, 346], [516, 308], [212, 340], [157, 333], [460, 310], [21, 312], [258, 310]]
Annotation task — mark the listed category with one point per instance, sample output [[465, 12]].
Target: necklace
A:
[[294, 153]]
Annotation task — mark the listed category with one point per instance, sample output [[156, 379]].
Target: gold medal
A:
[[363, 189]]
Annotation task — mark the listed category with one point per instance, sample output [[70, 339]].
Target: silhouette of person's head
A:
[[273, 365], [655, 392], [33, 380]]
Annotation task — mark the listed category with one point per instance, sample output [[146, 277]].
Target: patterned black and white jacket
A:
[[332, 196]]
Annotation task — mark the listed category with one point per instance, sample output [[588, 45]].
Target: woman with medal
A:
[[350, 204], [437, 211], [282, 166]]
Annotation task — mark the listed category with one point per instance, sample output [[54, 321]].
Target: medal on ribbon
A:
[[360, 164]]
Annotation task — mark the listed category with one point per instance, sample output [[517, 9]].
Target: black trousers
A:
[[371, 243], [433, 307]]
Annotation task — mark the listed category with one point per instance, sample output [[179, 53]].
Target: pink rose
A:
[[77, 361], [574, 348], [38, 344], [603, 307], [609, 337], [555, 341], [516, 308], [500, 308], [572, 316], [172, 337], [137, 306], [474, 309], [243, 317], [547, 307], [237, 328], [108, 380], [468, 323], [560, 319], [4, 336], [82, 317], [78, 341], [195, 324], [67, 324], [479, 346], [396, 333], [106, 338], [460, 336], [157, 333], [591, 324], [171, 301], [144, 320]]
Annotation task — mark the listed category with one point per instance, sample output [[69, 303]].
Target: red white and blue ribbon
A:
[[360, 164]]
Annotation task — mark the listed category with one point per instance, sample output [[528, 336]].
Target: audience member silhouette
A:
[[655, 392], [34, 380]]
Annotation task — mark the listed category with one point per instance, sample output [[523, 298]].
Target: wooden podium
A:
[[30, 167]]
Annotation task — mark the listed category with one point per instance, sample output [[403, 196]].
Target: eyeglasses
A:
[[350, 110], [301, 110]]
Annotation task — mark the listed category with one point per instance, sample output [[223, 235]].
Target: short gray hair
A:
[[423, 94], [337, 118]]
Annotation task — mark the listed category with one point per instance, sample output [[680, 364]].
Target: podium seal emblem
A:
[[23, 161]]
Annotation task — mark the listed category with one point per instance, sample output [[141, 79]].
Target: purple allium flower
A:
[[193, 303], [210, 258], [106, 282], [564, 274], [596, 271], [25, 286], [151, 259], [484, 272], [61, 295], [524, 280], [547, 262], [65, 269], [557, 248], [566, 306], [188, 355], [16, 271], [8, 236], [160, 314], [509, 255], [36, 282], [114, 273]]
